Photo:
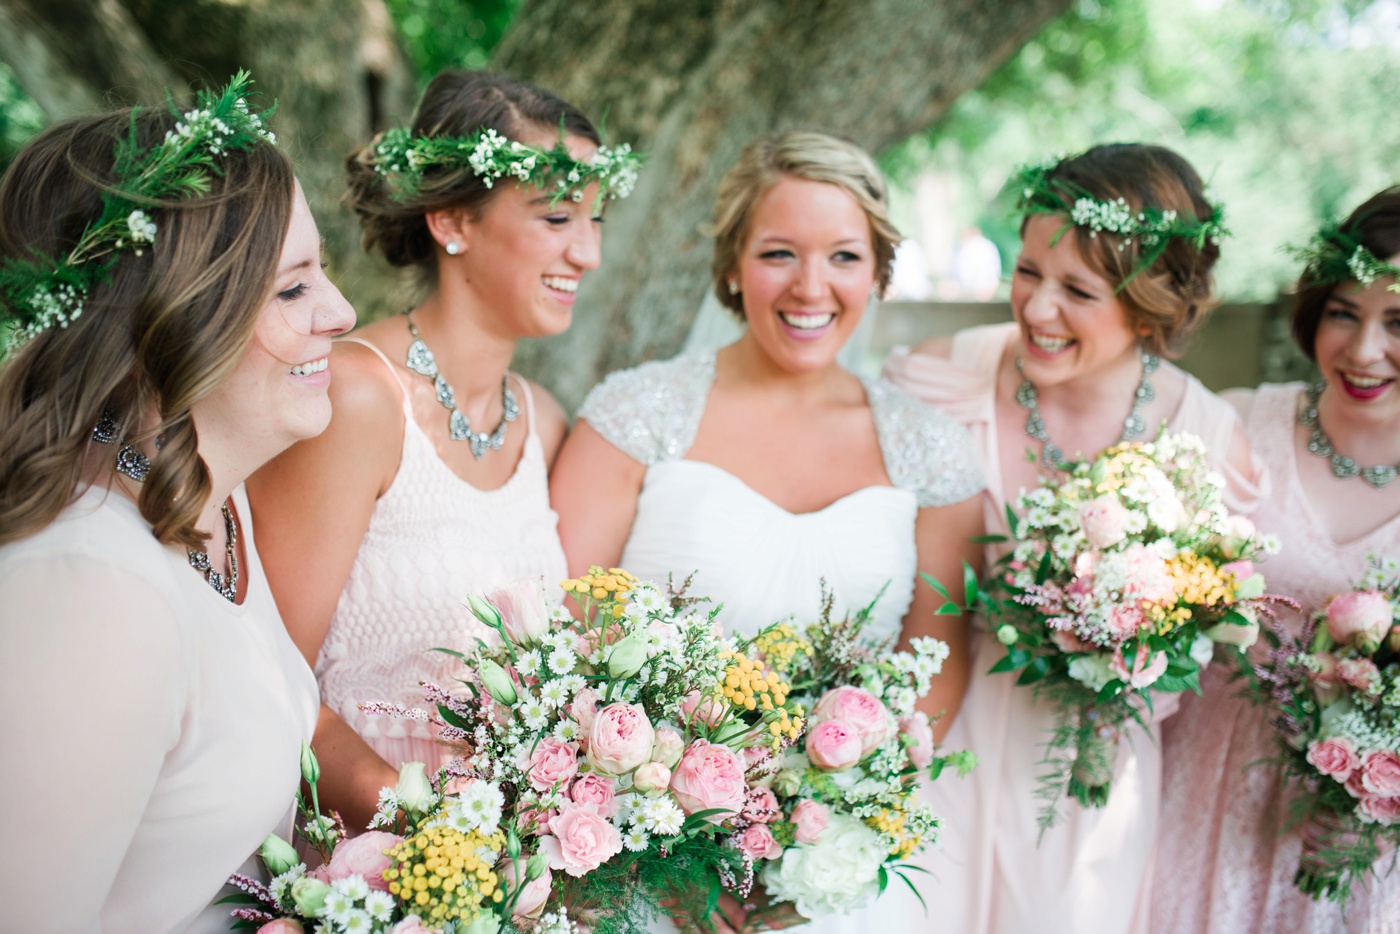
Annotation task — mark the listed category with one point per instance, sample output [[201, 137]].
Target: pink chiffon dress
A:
[[433, 538], [1225, 863], [1091, 873]]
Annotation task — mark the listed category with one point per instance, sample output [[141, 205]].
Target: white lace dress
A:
[[761, 561]]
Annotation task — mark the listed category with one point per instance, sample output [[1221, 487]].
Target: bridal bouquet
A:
[[444, 863], [835, 813], [1126, 570], [1334, 692]]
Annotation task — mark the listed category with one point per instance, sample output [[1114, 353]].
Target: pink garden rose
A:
[[810, 819], [756, 842], [918, 735], [584, 710], [620, 740], [554, 762], [1326, 684], [1334, 757], [1359, 618], [709, 776], [524, 613], [1126, 619], [1355, 784], [833, 746], [1381, 809], [412, 925], [705, 710], [1104, 520], [597, 790], [530, 905], [1380, 773], [1147, 667], [363, 856], [1242, 570], [579, 840], [1068, 642], [667, 747], [1361, 673], [282, 926], [651, 776], [761, 806], [537, 820], [858, 709]]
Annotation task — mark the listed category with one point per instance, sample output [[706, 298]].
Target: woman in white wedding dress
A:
[[766, 467]]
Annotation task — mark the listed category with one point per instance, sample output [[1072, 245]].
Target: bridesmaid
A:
[[766, 466], [431, 482], [1225, 857], [156, 705], [1097, 307]]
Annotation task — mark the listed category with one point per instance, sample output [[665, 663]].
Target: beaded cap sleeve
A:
[[925, 451], [651, 412]]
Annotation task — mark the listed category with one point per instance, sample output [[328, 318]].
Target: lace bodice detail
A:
[[652, 412], [433, 538]]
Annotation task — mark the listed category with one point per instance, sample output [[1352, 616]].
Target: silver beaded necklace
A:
[[1133, 426], [1343, 467], [137, 466], [421, 361]]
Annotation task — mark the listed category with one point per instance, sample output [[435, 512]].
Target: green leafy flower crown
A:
[[1037, 192], [1333, 255], [40, 292], [402, 158]]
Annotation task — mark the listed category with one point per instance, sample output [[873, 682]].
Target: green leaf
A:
[[1036, 670], [1109, 691], [988, 539], [913, 888], [948, 609], [1012, 523], [1042, 573], [971, 591], [933, 582], [453, 652], [239, 898], [884, 879]]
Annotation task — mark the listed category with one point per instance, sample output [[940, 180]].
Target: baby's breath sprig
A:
[[44, 291], [1333, 255], [1038, 192], [403, 160]]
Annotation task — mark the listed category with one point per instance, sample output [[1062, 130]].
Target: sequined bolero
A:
[[761, 562], [652, 412]]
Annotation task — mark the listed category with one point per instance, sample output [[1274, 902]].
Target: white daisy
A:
[[554, 693], [528, 663], [357, 922], [338, 905], [353, 886], [380, 906], [562, 661], [566, 729], [480, 803], [636, 840]]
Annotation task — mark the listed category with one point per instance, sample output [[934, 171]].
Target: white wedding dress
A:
[[760, 561]]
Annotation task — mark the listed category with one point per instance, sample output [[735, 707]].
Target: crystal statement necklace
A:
[[137, 466], [1133, 426], [1343, 467], [421, 361]]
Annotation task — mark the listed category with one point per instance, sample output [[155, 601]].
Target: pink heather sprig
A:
[[437, 696], [397, 711], [253, 887], [452, 734], [253, 915]]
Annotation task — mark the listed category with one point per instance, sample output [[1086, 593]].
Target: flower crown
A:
[[39, 292], [401, 158], [1154, 229], [1333, 255]]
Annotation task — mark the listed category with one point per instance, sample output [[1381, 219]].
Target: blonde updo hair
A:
[[801, 154], [455, 103], [1170, 298], [169, 325]]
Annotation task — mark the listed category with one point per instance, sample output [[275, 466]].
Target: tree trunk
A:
[[690, 82], [334, 68]]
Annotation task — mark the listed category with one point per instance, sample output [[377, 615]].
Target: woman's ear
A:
[[451, 228]]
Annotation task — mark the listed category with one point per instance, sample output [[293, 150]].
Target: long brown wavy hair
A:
[[166, 329]]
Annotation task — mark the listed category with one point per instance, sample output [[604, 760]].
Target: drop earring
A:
[[733, 287], [452, 247]]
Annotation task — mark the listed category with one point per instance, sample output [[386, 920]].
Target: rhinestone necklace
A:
[[137, 466], [1343, 467], [1133, 426], [421, 361]]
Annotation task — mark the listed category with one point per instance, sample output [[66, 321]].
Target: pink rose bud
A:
[[1104, 520], [651, 776], [1361, 673], [411, 925], [761, 806], [1380, 773], [523, 610], [363, 856], [1359, 618], [918, 738], [1242, 570], [858, 709], [1334, 757], [1326, 685], [756, 842], [620, 740], [1393, 640], [667, 747], [1147, 667], [1381, 809], [810, 819], [706, 710], [530, 905], [554, 762], [584, 710], [709, 777], [598, 790], [833, 746], [579, 840], [282, 926]]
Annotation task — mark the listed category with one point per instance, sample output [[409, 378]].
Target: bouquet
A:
[[1334, 693], [835, 813], [447, 863], [1125, 572]]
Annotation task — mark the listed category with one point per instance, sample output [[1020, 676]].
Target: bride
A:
[[767, 467]]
